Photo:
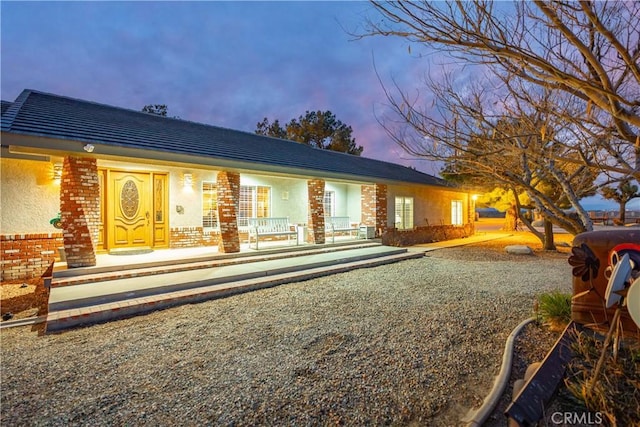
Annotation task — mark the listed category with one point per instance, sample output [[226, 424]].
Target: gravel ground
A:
[[417, 342]]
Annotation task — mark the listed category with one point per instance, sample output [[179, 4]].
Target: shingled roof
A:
[[4, 105], [66, 119]]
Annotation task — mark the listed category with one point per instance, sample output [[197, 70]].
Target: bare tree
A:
[[588, 50], [515, 137]]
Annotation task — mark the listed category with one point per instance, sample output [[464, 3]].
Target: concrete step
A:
[[118, 289], [84, 310], [77, 276]]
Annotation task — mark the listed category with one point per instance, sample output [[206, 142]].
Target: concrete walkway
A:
[[476, 238]]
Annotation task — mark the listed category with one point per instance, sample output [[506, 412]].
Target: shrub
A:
[[555, 309]]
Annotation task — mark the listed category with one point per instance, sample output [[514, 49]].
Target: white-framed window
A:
[[255, 202], [404, 213], [329, 203], [456, 212], [209, 205]]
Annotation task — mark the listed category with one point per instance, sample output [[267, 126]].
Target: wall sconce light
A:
[[57, 172], [474, 197], [89, 148], [187, 181]]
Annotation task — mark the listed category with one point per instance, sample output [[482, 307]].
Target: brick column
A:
[[228, 203], [373, 199], [80, 210], [315, 188]]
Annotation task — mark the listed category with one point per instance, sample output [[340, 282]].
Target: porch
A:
[[115, 261], [131, 205]]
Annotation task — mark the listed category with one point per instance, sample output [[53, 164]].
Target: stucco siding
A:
[[431, 204], [185, 202], [354, 203], [29, 196], [341, 194], [289, 196], [347, 199]]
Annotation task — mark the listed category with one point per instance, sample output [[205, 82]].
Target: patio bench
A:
[[262, 227], [339, 224]]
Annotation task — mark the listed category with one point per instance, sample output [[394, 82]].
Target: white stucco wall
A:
[[354, 202], [29, 197], [347, 199], [185, 203], [289, 196]]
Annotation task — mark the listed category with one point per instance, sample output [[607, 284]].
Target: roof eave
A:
[[45, 145]]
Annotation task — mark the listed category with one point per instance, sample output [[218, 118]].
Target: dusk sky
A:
[[228, 64]]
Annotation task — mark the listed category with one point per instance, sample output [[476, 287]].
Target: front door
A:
[[130, 197]]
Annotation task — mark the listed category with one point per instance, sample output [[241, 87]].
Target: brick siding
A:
[[192, 237], [25, 256]]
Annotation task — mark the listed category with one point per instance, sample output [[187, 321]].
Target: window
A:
[[255, 202], [456, 212], [262, 202], [209, 204], [404, 213], [329, 203]]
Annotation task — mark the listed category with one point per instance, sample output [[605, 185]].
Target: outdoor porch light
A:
[[474, 197], [57, 172], [187, 181], [89, 148]]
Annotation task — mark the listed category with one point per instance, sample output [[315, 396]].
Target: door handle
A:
[[147, 215]]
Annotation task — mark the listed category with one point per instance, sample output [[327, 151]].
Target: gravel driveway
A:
[[416, 342]]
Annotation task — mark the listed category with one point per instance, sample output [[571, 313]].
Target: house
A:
[[120, 179]]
